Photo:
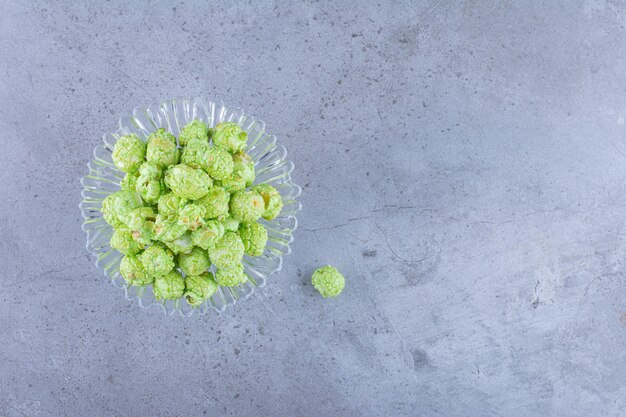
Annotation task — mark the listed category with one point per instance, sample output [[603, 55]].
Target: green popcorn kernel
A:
[[246, 206], [244, 166], [273, 200], [215, 203], [167, 228], [162, 148], [137, 218], [194, 263], [170, 286], [122, 240], [254, 237], [208, 235], [120, 203], [187, 182], [192, 216], [157, 261], [328, 281], [195, 154], [199, 288], [230, 224], [133, 271], [231, 277], [128, 153], [169, 203], [233, 183], [229, 136], [227, 252], [196, 130], [218, 163], [183, 244], [150, 169], [129, 181], [108, 211], [149, 188]]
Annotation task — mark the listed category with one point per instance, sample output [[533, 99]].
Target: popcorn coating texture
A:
[[328, 281], [133, 272], [122, 241], [215, 202], [227, 252], [229, 136], [128, 153], [182, 244], [243, 166], [195, 154], [218, 163], [170, 286], [246, 206], [167, 228], [231, 277], [194, 263], [157, 261], [254, 238], [273, 200], [192, 216], [199, 288], [196, 130], [162, 148], [188, 182], [208, 235]]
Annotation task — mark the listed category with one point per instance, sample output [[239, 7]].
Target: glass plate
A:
[[271, 166]]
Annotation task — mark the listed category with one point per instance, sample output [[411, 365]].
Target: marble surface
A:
[[464, 165]]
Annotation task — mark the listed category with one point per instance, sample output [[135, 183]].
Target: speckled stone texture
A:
[[463, 164]]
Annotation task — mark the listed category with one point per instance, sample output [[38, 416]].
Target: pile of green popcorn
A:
[[186, 205]]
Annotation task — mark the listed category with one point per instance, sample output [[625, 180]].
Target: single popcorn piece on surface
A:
[[194, 263], [169, 203], [215, 203], [227, 252], [254, 238], [231, 277], [328, 281], [181, 245], [162, 148], [157, 261], [129, 181], [170, 286], [208, 235], [230, 224], [229, 136], [128, 153], [195, 154], [133, 272], [218, 163], [187, 182], [196, 130], [167, 228], [199, 288], [273, 200], [246, 206], [243, 165], [192, 216], [122, 241]]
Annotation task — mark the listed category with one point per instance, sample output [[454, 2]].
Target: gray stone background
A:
[[464, 165]]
